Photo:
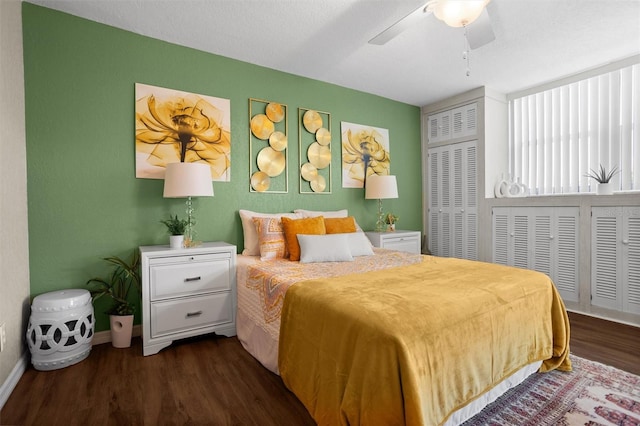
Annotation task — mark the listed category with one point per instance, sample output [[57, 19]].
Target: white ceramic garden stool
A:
[[61, 328]]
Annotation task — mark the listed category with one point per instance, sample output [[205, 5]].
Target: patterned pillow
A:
[[270, 238], [340, 225], [251, 243], [293, 227]]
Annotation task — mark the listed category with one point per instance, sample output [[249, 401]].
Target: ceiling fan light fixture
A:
[[457, 13]]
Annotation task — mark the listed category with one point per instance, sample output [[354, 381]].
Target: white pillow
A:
[[359, 244], [314, 213], [324, 248], [329, 213], [251, 244]]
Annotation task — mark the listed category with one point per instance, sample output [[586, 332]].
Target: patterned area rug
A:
[[592, 394]]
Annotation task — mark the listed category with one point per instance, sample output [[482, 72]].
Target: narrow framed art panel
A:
[[365, 151], [268, 146], [314, 140], [174, 126]]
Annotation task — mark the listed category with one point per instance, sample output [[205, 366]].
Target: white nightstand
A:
[[398, 240], [187, 292]]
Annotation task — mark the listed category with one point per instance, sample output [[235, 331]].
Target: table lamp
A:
[[188, 180], [380, 186]]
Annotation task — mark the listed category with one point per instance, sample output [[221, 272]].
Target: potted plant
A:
[[605, 187], [124, 278], [391, 219], [176, 228]]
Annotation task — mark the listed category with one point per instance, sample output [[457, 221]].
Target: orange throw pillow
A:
[[293, 227], [340, 225]]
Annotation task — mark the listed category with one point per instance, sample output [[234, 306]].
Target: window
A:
[[559, 134]]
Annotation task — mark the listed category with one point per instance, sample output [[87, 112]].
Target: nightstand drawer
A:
[[184, 279], [409, 241], [409, 244], [174, 316]]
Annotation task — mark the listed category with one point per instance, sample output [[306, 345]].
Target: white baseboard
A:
[[14, 377], [105, 336]]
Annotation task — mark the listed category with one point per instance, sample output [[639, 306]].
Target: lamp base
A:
[[380, 225]]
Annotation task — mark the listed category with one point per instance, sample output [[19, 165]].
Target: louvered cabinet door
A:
[[439, 127], [631, 258], [511, 235], [520, 236], [464, 121], [501, 238], [606, 233], [565, 263]]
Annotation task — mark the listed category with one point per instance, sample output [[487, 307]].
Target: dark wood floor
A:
[[213, 381]]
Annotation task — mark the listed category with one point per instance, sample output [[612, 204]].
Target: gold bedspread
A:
[[411, 345]]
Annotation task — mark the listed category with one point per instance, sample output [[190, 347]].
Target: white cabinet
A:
[[408, 241], [544, 239], [615, 258], [187, 292], [453, 201], [452, 124]]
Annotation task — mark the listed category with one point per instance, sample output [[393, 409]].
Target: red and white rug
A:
[[592, 394]]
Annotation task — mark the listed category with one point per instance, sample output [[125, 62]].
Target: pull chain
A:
[[466, 53]]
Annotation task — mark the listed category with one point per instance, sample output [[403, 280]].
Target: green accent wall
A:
[[84, 200]]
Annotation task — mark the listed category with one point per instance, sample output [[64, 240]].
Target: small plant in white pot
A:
[[391, 219], [176, 228], [605, 187], [124, 278]]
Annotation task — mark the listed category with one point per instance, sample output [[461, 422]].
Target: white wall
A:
[[14, 244]]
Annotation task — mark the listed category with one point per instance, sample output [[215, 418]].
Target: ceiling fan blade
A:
[[480, 31], [399, 26]]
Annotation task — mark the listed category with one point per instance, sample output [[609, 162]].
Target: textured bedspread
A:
[[410, 345]]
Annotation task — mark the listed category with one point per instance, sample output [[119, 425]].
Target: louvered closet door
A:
[[440, 213], [453, 201], [464, 198], [606, 232], [631, 256]]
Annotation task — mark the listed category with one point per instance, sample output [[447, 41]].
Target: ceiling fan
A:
[[470, 14]]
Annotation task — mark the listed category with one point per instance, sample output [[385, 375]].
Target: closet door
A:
[[453, 201], [464, 193], [440, 216]]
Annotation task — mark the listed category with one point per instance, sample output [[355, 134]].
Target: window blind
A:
[[557, 136]]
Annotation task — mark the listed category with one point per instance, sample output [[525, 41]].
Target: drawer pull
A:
[[194, 314], [192, 279]]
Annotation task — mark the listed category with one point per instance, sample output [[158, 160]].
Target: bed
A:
[[396, 338]]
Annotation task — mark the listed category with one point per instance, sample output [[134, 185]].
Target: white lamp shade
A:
[[380, 187], [183, 180], [457, 13]]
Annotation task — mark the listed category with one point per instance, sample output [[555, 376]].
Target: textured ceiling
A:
[[536, 40]]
